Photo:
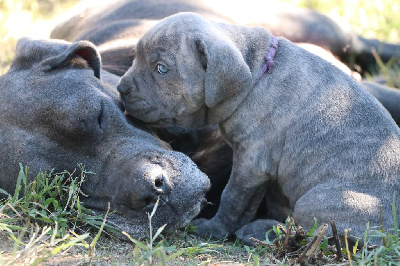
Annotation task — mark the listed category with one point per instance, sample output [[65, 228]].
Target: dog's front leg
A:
[[239, 201]]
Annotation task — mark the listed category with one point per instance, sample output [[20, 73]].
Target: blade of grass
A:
[[93, 243], [394, 213], [158, 232]]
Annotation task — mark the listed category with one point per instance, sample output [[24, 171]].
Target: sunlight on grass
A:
[[25, 18], [372, 19]]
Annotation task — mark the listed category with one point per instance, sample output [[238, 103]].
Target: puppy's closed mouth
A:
[[142, 112], [160, 122]]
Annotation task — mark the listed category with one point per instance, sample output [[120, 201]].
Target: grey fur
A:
[[111, 21], [388, 97], [55, 113], [116, 26], [330, 145]]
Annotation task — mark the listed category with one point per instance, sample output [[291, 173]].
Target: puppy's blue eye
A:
[[162, 69]]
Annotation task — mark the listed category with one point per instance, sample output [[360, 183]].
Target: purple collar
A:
[[268, 60]]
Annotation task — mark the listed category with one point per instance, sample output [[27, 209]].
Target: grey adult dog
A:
[[55, 112], [332, 148]]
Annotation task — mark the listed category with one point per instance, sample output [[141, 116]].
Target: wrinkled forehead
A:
[[56, 86], [159, 39], [170, 31]]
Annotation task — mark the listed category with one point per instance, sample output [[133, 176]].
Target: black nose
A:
[[123, 88], [161, 184], [147, 191]]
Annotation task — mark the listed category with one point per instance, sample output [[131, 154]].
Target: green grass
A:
[[372, 19], [49, 199], [45, 216], [44, 220]]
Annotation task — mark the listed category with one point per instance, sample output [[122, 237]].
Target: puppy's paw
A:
[[257, 230], [210, 228]]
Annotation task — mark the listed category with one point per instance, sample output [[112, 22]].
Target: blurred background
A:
[[35, 18]]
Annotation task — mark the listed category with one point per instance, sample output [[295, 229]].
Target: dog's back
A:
[[336, 149]]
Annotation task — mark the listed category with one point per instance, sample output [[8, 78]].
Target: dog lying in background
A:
[[290, 117], [115, 27]]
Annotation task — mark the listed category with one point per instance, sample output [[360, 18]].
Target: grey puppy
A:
[[332, 148], [55, 112]]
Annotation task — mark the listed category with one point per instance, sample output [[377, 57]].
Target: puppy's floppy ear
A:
[[226, 71]]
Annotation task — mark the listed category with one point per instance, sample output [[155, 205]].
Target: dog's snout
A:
[[126, 82], [161, 184], [154, 184], [123, 88]]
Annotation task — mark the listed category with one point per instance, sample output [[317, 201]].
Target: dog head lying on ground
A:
[[55, 112], [290, 116]]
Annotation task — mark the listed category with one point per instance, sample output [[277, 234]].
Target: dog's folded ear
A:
[[73, 55], [48, 54], [226, 70]]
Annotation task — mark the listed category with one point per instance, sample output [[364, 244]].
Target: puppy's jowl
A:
[[304, 124]]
